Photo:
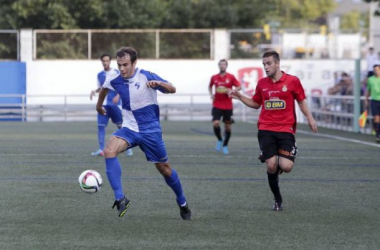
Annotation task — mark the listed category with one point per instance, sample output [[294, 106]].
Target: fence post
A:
[[357, 86], [191, 107], [23, 102], [65, 107]]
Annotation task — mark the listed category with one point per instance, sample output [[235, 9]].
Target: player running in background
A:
[[222, 104], [141, 126], [111, 105], [373, 90], [275, 94]]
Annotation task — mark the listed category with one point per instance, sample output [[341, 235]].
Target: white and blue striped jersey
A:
[[102, 75], [140, 109]]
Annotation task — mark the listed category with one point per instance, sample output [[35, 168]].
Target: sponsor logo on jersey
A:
[[221, 90], [274, 104]]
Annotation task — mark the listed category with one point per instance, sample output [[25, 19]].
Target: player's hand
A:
[[235, 94], [101, 110], [92, 94], [153, 84], [313, 125]]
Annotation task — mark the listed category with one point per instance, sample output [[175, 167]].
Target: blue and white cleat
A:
[[225, 150], [218, 145], [99, 152], [129, 152]]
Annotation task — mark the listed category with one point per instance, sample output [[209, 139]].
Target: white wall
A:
[[189, 76]]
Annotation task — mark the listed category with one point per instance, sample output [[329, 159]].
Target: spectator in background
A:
[[371, 60], [377, 62], [343, 86]]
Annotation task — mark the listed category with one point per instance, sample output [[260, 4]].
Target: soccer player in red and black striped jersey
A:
[[222, 103], [276, 95]]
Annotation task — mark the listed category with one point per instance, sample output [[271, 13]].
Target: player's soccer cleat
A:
[[122, 206], [225, 150], [129, 152], [99, 152], [218, 145], [185, 212], [277, 206]]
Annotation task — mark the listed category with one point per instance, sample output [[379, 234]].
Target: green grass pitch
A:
[[331, 198]]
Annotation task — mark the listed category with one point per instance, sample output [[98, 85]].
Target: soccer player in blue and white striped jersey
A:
[[141, 126]]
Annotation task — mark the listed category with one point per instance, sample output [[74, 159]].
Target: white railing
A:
[[79, 108]]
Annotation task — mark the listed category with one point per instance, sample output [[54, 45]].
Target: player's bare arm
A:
[[305, 110], [235, 94], [211, 94], [99, 105], [167, 86], [93, 92]]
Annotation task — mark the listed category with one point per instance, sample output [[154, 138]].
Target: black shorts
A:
[[375, 107], [218, 113], [277, 143]]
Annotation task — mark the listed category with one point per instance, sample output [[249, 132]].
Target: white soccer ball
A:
[[90, 181]]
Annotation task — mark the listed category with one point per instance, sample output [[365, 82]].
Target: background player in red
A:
[[222, 103], [276, 94]]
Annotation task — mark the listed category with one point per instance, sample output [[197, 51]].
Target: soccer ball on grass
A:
[[90, 181]]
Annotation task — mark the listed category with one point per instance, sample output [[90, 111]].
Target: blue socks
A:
[[101, 135], [174, 182], [113, 170]]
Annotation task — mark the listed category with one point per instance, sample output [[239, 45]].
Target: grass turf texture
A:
[[330, 198]]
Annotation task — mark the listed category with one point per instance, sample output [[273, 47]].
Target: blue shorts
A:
[[151, 144], [113, 112], [375, 107]]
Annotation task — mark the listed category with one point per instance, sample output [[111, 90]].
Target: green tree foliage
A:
[[301, 13], [143, 14], [352, 21]]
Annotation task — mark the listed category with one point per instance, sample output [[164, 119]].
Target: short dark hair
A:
[[273, 53], [127, 50], [104, 55], [223, 60]]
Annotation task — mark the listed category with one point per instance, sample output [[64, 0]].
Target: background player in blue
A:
[[111, 105], [141, 126]]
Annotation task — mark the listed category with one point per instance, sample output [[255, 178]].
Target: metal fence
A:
[[9, 45], [329, 111], [43, 108], [151, 44], [337, 112]]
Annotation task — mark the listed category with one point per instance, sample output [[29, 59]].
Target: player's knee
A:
[[109, 152], [271, 166], [164, 169], [215, 123], [287, 167]]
